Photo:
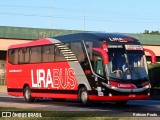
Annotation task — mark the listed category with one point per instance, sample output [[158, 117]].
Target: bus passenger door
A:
[[100, 58]]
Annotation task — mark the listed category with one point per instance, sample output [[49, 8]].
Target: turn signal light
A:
[[87, 72]]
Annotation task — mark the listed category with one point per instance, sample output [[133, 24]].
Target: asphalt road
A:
[[138, 106]]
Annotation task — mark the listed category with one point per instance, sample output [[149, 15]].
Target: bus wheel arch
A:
[[83, 96], [27, 94]]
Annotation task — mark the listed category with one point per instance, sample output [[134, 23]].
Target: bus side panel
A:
[[42, 78], [51, 95], [13, 76]]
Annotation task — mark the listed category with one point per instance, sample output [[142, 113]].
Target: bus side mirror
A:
[[153, 56], [104, 54]]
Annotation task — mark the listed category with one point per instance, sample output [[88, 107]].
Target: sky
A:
[[123, 16]]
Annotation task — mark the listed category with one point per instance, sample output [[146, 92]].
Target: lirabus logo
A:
[[56, 78]]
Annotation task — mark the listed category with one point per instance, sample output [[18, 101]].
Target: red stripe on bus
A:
[[116, 98]]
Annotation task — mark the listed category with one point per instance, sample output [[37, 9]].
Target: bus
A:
[[91, 66]]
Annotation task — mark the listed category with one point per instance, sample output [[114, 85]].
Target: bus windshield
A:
[[126, 64]]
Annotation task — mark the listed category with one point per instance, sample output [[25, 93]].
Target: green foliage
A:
[[152, 32], [154, 74]]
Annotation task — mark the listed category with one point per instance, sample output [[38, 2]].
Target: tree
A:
[[152, 32], [146, 32]]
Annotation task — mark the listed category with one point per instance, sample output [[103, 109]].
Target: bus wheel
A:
[[83, 96], [121, 103], [27, 95]]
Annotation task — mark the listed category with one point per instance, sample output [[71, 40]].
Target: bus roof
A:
[[95, 36], [101, 36], [42, 41]]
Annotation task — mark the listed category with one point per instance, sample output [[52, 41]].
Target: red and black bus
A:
[[84, 66]]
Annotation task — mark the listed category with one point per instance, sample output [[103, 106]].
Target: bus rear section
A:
[[84, 66]]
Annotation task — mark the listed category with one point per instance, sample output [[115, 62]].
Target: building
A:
[[17, 35]]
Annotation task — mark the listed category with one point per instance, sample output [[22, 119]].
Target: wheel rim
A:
[[84, 96], [27, 94]]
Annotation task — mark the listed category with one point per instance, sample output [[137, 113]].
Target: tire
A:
[[27, 95], [121, 103], [83, 96]]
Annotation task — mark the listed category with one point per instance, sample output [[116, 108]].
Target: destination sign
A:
[[133, 47], [115, 46]]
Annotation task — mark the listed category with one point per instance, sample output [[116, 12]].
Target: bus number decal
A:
[[56, 78]]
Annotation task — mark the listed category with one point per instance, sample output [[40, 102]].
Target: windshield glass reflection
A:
[[128, 64]]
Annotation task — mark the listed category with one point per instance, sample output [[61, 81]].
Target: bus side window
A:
[[48, 53], [13, 56], [21, 56], [78, 51], [51, 55], [59, 57], [26, 55], [97, 64], [89, 46], [35, 55]]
